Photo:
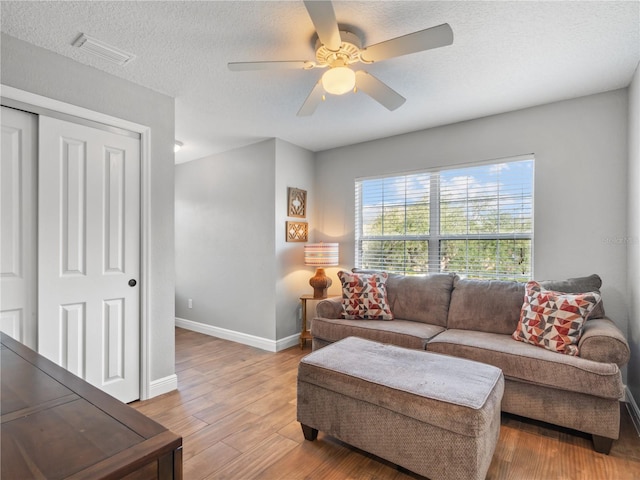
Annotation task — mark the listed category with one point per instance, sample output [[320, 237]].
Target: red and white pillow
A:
[[364, 296], [554, 320]]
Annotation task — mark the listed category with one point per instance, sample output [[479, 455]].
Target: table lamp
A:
[[320, 255]]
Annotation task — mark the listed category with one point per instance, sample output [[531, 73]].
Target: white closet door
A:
[[89, 254], [18, 218]]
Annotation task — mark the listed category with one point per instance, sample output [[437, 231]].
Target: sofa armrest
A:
[[330, 308], [602, 341]]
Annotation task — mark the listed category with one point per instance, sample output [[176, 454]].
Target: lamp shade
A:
[[321, 254]]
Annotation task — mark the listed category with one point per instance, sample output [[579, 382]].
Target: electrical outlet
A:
[[190, 303]]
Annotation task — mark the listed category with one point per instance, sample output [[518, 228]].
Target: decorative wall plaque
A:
[[297, 231], [297, 202]]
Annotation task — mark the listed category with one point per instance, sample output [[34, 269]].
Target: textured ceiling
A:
[[505, 56]]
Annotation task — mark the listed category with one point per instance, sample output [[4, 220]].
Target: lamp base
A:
[[320, 283]]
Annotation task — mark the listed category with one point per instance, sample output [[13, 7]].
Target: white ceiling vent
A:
[[103, 50]]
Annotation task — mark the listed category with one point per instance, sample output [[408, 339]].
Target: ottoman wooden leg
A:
[[602, 444], [309, 433]]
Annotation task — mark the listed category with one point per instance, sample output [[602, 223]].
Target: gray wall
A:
[[232, 258], [225, 240], [39, 71], [633, 237], [580, 148], [294, 168]]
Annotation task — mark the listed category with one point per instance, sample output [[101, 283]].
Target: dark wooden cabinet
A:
[[55, 425]]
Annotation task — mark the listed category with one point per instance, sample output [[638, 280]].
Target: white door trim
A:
[[145, 203]]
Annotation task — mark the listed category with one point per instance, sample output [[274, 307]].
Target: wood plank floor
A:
[[236, 411]]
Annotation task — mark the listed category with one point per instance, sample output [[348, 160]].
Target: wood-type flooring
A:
[[235, 408]]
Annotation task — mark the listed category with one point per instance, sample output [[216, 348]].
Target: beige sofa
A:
[[474, 319]]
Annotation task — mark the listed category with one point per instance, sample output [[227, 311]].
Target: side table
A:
[[306, 334]]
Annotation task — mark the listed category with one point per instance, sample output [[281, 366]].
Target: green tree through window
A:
[[476, 221]]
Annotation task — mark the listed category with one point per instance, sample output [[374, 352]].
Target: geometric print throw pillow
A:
[[554, 320], [364, 296]]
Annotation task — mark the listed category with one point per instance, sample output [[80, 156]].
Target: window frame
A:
[[435, 237]]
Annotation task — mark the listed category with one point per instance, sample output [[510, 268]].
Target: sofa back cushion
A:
[[420, 298], [491, 306]]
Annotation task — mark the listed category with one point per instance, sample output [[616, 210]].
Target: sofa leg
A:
[[309, 433], [602, 444]]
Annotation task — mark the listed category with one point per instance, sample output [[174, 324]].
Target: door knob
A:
[[132, 283]]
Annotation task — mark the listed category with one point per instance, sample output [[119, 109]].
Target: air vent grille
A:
[[103, 50]]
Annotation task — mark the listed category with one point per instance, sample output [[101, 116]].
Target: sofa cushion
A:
[[532, 364], [554, 320], [364, 296], [404, 333], [421, 298], [491, 306], [592, 283]]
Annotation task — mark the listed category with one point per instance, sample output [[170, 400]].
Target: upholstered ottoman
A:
[[435, 415]]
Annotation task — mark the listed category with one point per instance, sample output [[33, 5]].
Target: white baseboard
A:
[[163, 385], [239, 337], [287, 342], [634, 411]]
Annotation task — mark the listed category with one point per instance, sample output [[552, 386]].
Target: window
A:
[[476, 221]]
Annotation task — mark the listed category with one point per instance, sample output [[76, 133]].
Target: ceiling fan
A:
[[338, 50]]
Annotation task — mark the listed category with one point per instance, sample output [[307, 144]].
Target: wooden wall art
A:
[[297, 231], [297, 202]]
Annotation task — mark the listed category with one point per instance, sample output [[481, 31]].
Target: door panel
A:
[[18, 234], [73, 191], [72, 332], [114, 228], [89, 249]]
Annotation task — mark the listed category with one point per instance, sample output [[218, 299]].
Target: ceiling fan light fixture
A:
[[337, 50], [339, 80]]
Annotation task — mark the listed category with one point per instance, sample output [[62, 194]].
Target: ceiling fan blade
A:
[[283, 65], [313, 100], [378, 90], [434, 37], [324, 20]]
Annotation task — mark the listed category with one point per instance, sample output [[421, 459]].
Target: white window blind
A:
[[476, 221]]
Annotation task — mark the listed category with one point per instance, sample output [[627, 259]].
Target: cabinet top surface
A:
[[60, 425]]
